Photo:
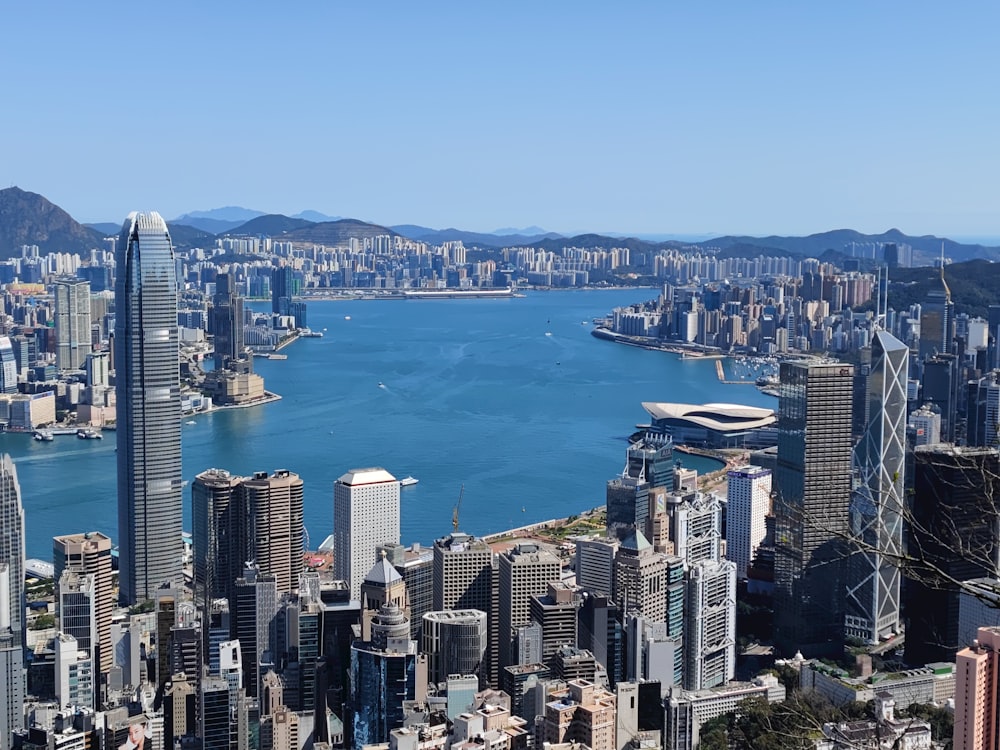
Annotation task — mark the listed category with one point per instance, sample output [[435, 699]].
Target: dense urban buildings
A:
[[12, 603], [149, 408]]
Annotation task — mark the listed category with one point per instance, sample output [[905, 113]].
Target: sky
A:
[[663, 117]]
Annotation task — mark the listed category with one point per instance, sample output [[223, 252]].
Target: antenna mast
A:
[[458, 507]]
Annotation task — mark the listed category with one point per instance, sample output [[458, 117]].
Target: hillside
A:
[[471, 239], [30, 219], [270, 225], [336, 232], [974, 285]]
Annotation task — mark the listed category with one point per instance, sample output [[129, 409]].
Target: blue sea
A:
[[511, 398]]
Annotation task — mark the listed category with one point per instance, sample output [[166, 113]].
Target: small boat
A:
[[190, 421], [89, 435], [548, 333], [347, 317], [381, 384], [408, 482], [46, 437]]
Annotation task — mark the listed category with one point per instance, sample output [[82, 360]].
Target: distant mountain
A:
[[974, 285], [218, 220], [184, 237], [107, 228], [315, 216], [524, 232], [336, 232], [30, 219], [599, 241], [271, 225], [814, 245], [437, 236]]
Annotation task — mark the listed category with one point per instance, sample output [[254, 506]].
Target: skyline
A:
[[643, 120]]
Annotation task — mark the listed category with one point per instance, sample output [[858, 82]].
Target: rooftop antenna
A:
[[947, 291], [458, 507]]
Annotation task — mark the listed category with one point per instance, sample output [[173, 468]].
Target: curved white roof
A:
[[366, 476], [721, 417]]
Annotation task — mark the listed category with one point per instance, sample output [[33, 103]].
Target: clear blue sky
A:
[[669, 117]]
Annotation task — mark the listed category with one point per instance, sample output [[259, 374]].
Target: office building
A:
[[556, 614], [365, 515], [710, 624], [951, 538], [227, 322], [282, 290], [983, 411], [583, 713], [8, 366], [926, 426], [600, 632], [939, 388], [937, 320], [77, 615], [147, 376], [74, 672], [90, 554], [254, 613], [877, 505], [72, 309], [641, 578], [648, 463], [812, 496], [524, 571], [595, 563], [977, 701], [748, 501], [455, 642]]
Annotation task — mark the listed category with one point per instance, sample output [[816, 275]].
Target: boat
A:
[[278, 356], [347, 317], [548, 333], [190, 421], [44, 436], [408, 482], [310, 334], [381, 384], [89, 435]]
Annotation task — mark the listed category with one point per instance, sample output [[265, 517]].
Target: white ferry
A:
[[408, 482]]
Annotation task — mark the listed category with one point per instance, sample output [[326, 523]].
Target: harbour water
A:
[[512, 398]]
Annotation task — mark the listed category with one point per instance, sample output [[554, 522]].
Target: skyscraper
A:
[[227, 321], [218, 534], [525, 571], [8, 366], [877, 499], [748, 501], [282, 290], [147, 376], [12, 685], [813, 489], [365, 515], [937, 320], [274, 507], [72, 322]]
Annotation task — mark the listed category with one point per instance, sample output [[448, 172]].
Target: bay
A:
[[511, 398]]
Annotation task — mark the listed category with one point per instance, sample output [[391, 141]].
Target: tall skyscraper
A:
[[72, 322], [282, 290], [813, 490], [218, 534], [12, 684], [952, 537], [147, 376], [274, 507], [227, 321], [877, 506], [365, 515], [748, 501], [937, 320]]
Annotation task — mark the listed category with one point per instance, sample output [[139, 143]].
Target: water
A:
[[475, 393]]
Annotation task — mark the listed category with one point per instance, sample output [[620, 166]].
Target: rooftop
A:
[[372, 475]]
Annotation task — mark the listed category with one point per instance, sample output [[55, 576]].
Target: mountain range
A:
[[29, 219]]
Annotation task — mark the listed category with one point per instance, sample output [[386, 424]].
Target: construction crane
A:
[[458, 506]]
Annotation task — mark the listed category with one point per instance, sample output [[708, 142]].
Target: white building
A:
[[748, 502], [926, 425], [365, 515]]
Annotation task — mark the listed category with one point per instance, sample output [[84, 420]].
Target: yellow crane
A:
[[458, 506]]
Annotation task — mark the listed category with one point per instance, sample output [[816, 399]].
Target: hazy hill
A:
[[336, 232], [974, 285], [218, 220], [270, 225], [107, 228], [185, 237], [30, 219], [437, 236], [814, 245]]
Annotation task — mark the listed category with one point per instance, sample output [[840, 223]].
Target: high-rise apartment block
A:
[[365, 515], [147, 376], [748, 501], [72, 308], [977, 700], [812, 497]]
